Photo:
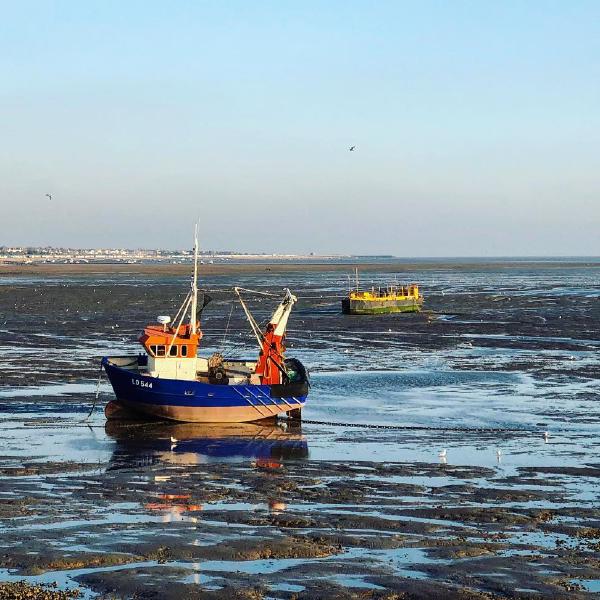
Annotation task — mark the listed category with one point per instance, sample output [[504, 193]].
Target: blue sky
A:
[[477, 126]]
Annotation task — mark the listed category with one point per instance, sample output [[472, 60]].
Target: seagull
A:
[[351, 149], [499, 455], [443, 453], [49, 196], [546, 436], [173, 443]]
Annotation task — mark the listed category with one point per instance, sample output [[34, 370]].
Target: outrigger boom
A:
[[270, 342]]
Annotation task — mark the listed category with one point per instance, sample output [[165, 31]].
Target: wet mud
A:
[[119, 510]]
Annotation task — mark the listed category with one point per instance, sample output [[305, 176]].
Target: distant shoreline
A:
[[228, 268]]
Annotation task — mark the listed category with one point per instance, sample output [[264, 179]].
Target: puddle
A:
[[589, 585]]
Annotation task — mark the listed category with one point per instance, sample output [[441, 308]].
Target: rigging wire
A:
[[227, 326], [256, 292]]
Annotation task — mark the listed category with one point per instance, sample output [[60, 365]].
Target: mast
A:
[[194, 310], [356, 279]]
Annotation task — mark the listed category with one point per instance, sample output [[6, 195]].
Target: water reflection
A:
[[141, 443]]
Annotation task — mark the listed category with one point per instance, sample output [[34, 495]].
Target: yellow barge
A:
[[393, 299]]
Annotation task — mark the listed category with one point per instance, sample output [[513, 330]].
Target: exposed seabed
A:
[[273, 511]]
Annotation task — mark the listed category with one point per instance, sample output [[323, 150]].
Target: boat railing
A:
[[401, 293]]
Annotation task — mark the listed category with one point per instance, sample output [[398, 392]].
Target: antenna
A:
[[357, 279], [194, 310]]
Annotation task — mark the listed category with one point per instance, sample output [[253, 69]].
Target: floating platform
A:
[[389, 300]]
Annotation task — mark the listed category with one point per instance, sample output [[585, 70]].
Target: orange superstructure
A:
[[160, 341], [271, 357]]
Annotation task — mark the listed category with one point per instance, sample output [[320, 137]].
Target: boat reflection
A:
[[145, 443]]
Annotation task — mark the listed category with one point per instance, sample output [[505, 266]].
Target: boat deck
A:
[[238, 372]]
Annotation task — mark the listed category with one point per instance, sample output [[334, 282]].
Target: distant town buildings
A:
[[48, 254]]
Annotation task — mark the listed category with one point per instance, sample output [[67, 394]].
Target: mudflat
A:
[[502, 353], [287, 266]]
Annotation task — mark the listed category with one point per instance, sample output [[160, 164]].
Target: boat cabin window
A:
[[160, 351], [173, 351], [183, 350]]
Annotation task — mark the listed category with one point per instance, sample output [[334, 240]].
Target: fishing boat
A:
[[391, 299], [168, 380]]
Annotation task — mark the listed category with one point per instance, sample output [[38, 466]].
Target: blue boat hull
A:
[[194, 401]]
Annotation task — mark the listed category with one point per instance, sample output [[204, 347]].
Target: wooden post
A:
[[295, 415]]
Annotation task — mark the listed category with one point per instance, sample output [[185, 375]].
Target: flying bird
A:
[[351, 149], [49, 196]]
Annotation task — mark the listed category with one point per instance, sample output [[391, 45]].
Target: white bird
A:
[[499, 455], [546, 436], [443, 453], [173, 443]]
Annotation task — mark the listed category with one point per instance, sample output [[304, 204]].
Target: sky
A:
[[476, 126]]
